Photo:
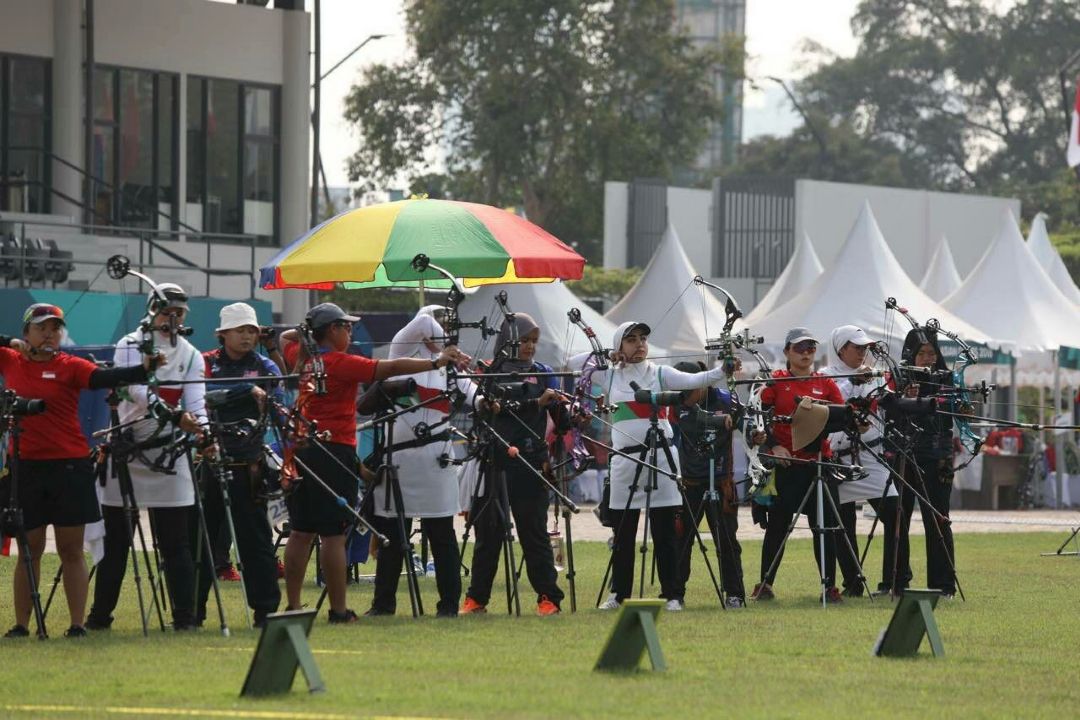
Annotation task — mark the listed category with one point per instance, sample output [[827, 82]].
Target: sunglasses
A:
[[40, 311], [805, 346], [342, 324]]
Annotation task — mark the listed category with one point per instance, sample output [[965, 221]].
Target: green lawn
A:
[[1011, 651]]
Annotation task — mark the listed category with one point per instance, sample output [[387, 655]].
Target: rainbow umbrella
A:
[[375, 246]]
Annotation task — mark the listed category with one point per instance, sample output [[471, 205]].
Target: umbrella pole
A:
[[421, 292]]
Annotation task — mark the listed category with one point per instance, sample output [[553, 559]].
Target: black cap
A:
[[325, 313]]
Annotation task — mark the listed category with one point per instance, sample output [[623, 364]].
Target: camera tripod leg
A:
[[224, 477], [134, 530], [52, 590], [709, 509], [390, 476], [770, 574], [156, 583], [513, 597], [474, 512], [205, 534], [27, 561], [619, 530], [847, 541]]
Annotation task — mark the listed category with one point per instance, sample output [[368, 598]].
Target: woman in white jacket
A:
[[168, 493], [630, 425]]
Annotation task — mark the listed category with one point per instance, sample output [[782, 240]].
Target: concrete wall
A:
[[26, 27], [912, 221]]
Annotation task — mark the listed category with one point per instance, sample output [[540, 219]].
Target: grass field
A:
[[1011, 651]]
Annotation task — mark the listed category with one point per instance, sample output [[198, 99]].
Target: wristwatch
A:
[[435, 364]]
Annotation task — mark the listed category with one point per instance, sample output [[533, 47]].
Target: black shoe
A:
[[186, 625], [853, 591], [93, 622], [17, 631], [75, 631], [377, 612], [451, 613], [341, 618]]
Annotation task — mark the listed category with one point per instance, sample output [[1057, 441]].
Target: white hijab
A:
[[410, 341]]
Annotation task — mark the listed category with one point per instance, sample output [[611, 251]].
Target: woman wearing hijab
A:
[[931, 473], [793, 479], [847, 350], [524, 427], [630, 426], [429, 487]]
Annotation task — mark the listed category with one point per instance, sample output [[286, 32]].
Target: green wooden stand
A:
[[913, 618], [283, 647], [633, 634]]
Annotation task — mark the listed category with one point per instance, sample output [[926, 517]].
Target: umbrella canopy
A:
[[374, 246], [941, 277], [803, 268], [1044, 251]]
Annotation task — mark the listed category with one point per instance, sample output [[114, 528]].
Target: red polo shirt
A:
[[781, 397], [336, 410]]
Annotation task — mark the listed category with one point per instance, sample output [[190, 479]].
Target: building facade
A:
[[174, 130]]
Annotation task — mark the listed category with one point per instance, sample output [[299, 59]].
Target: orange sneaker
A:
[[545, 607], [229, 573], [471, 607]]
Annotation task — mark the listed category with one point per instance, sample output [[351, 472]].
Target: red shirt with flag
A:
[[781, 398], [336, 410], [54, 434]]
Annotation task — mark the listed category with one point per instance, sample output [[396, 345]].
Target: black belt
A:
[[635, 449], [421, 442]]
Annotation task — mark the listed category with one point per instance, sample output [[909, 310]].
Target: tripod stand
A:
[[560, 468], [13, 524], [821, 492]]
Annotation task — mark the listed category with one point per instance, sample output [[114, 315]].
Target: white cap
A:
[[845, 334], [237, 315]]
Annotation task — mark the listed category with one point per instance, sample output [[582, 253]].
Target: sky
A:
[[775, 31]]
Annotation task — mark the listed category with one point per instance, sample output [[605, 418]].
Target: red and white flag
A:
[[1073, 152]]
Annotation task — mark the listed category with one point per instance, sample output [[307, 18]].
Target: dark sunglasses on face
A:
[[345, 324], [805, 346]]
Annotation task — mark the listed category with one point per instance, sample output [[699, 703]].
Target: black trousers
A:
[[440, 536], [173, 541], [935, 486], [665, 545], [886, 511], [792, 483], [528, 505], [724, 525], [254, 541]]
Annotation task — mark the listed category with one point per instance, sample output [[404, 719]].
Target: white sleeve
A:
[[577, 362], [672, 379], [126, 355], [195, 393]]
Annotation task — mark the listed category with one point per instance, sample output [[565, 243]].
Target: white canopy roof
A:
[[941, 277], [1047, 255], [853, 291], [548, 304], [1011, 297], [802, 269], [681, 316]]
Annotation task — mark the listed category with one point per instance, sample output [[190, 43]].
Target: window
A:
[[134, 144], [232, 158], [25, 136]]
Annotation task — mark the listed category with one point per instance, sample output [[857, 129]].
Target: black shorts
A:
[[311, 508], [54, 492]]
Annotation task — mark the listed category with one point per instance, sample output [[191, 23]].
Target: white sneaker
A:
[[612, 603], [735, 603], [674, 605]]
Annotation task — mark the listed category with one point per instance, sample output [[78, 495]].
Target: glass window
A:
[[24, 103], [223, 157], [102, 197], [258, 111], [135, 181], [27, 86], [166, 92], [196, 150], [104, 89]]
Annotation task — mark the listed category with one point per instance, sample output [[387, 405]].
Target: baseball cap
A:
[[175, 296], [640, 327], [850, 334], [326, 313], [237, 315], [795, 335], [40, 312]]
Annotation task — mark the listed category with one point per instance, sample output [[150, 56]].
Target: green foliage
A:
[[536, 103], [608, 284], [384, 299]]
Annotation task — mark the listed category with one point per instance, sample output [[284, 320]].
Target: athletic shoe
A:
[[280, 568], [735, 602], [471, 607], [853, 591], [833, 596], [612, 603], [93, 622], [75, 631], [229, 573], [17, 631], [341, 618], [674, 605], [377, 612], [763, 591], [451, 613], [545, 607]]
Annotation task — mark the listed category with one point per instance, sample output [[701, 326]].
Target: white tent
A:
[[941, 277], [1011, 297], [803, 268], [853, 291], [1041, 247], [548, 304], [681, 315]]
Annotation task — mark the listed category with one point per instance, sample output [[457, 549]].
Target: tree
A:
[[966, 88], [537, 103], [605, 284]]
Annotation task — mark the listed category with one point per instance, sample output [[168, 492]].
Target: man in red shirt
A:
[[55, 473], [312, 510]]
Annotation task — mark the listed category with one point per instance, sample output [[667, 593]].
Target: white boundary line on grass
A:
[[199, 712]]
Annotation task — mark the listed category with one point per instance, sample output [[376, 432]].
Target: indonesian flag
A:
[[1073, 153]]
